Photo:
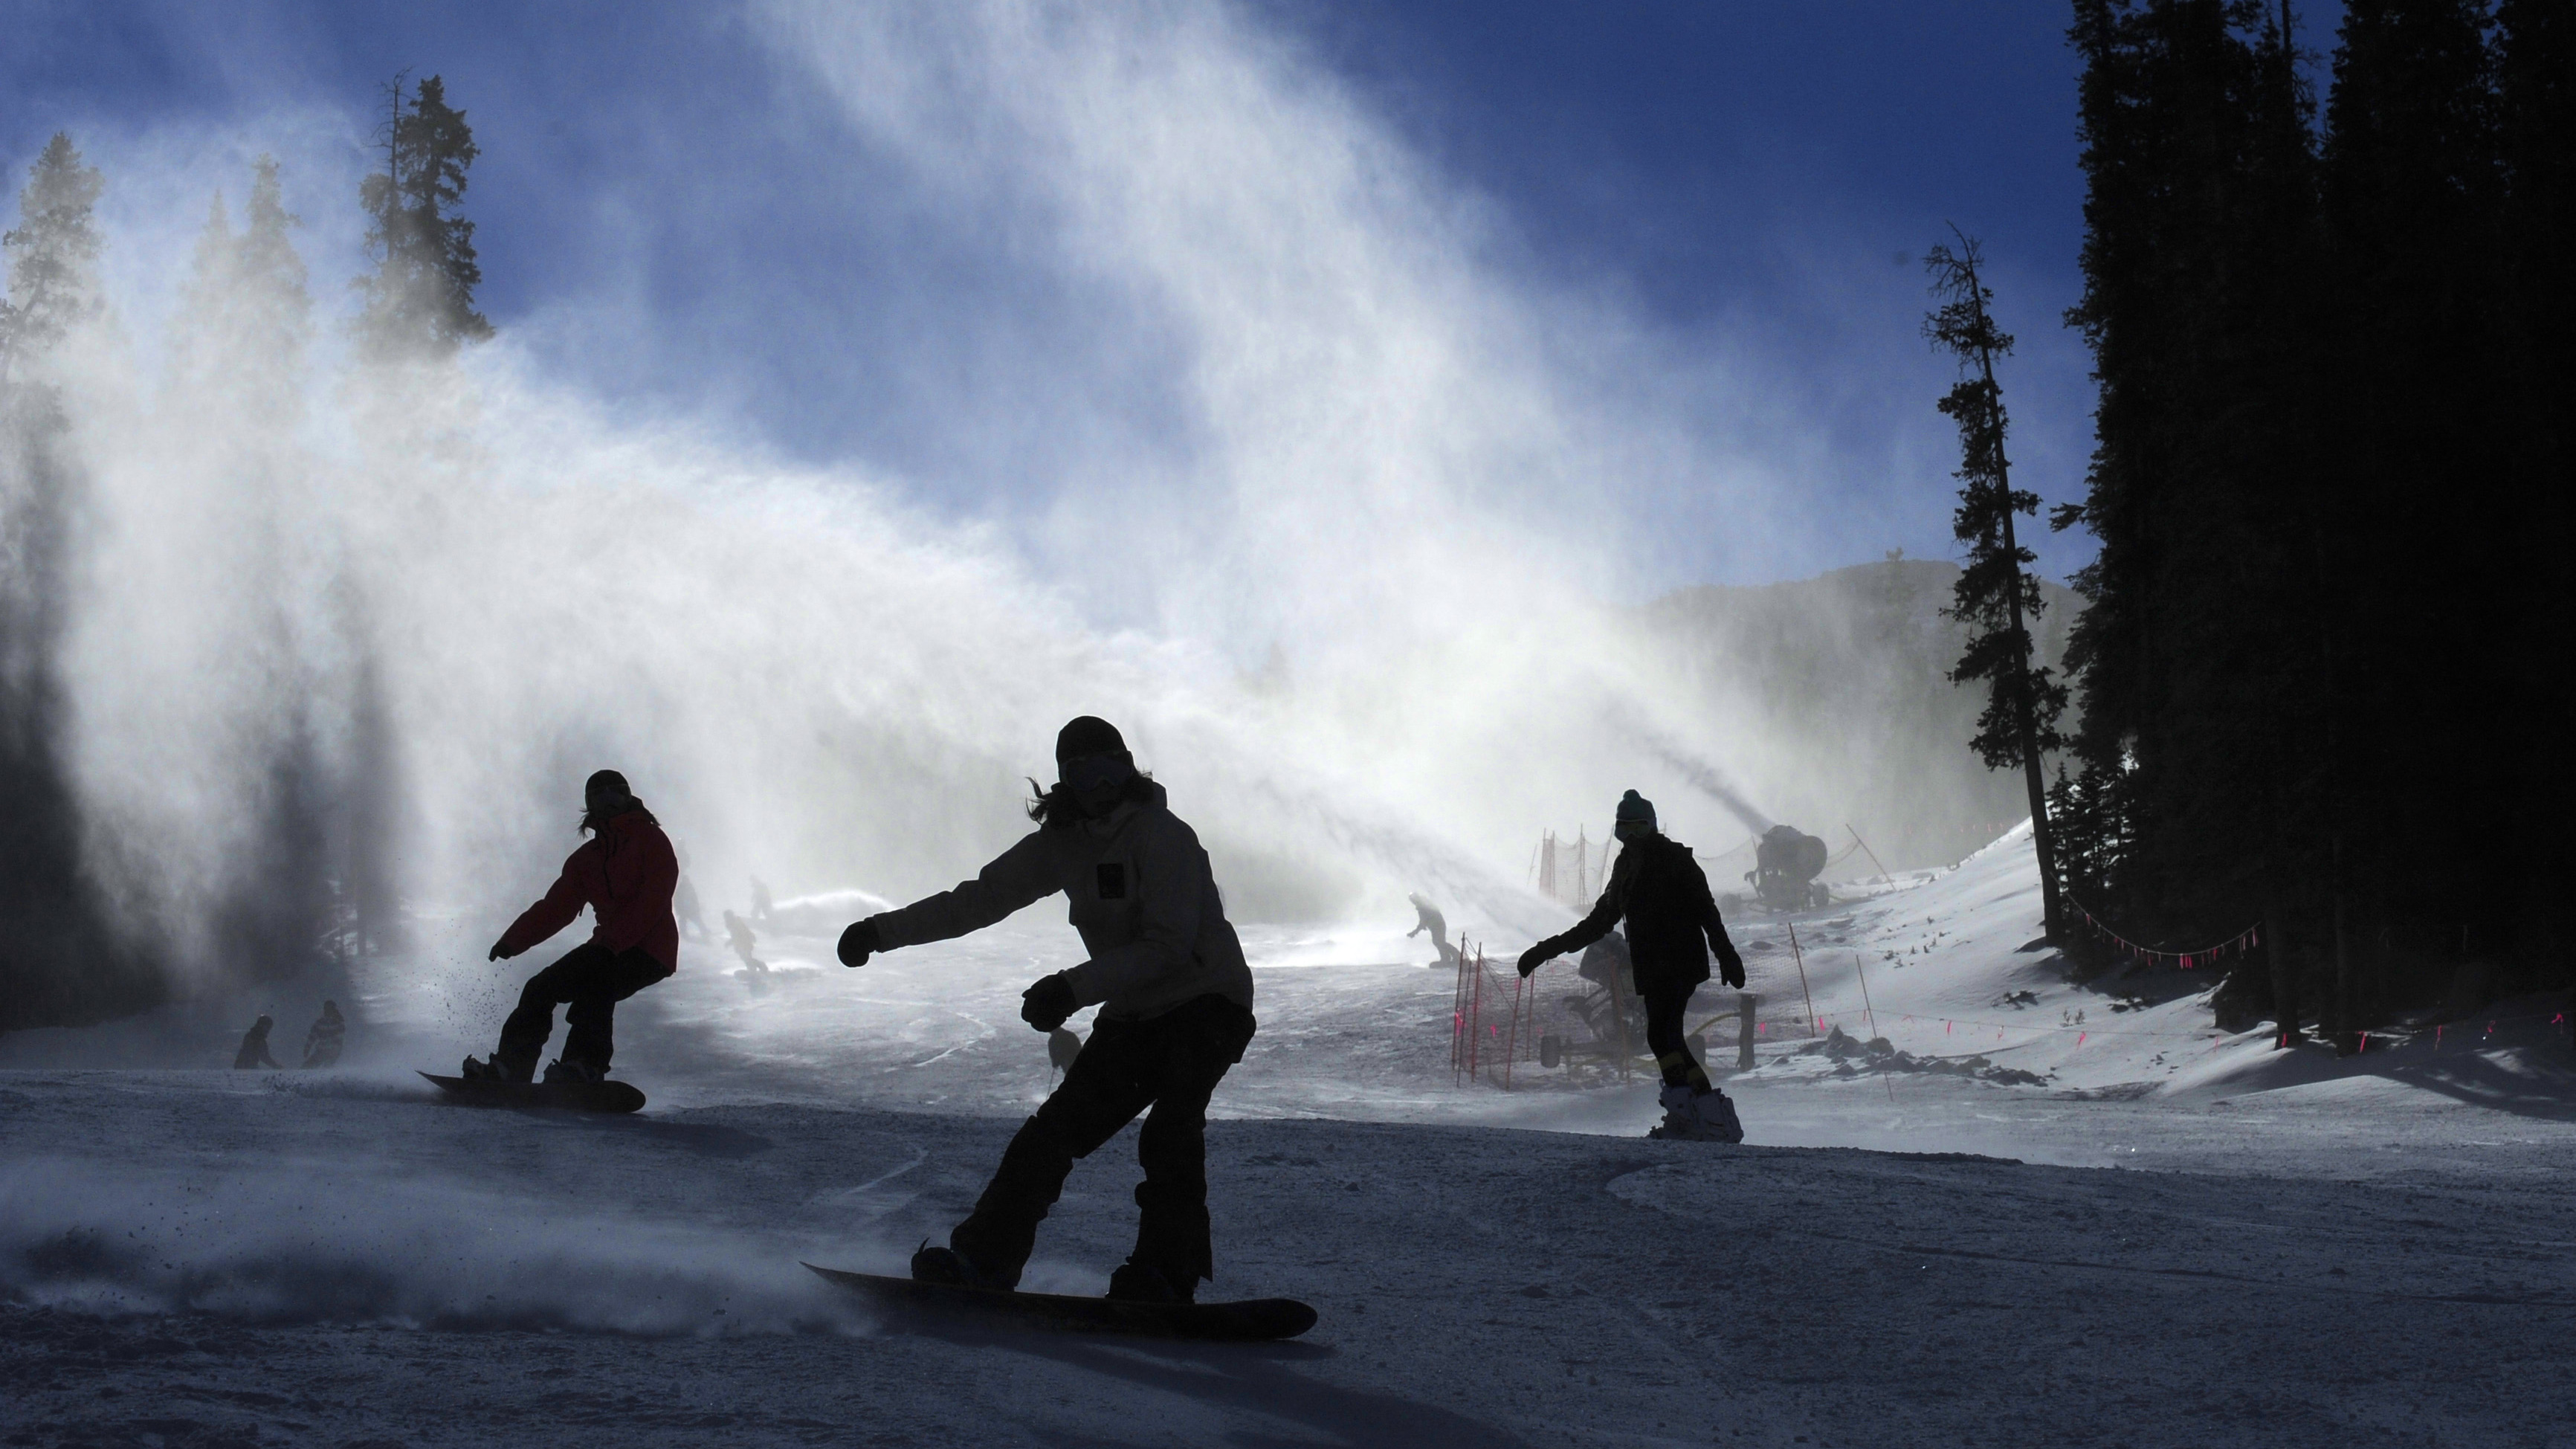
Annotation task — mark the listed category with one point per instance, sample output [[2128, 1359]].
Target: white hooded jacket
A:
[[1140, 892]]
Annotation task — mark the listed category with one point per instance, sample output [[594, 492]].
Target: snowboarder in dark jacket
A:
[[1658, 888], [1175, 1002], [254, 1048], [626, 874]]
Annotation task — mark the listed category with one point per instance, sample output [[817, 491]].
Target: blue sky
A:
[[675, 218]]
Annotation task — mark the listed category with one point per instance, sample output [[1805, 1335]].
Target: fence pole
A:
[[1744, 1004], [1512, 1039], [1872, 1013], [1865, 850], [1814, 1027], [1459, 1026], [1476, 1017]]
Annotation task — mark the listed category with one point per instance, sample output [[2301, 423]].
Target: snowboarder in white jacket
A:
[[1175, 1002]]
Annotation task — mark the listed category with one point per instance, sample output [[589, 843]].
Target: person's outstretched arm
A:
[[1605, 914], [1017, 877], [559, 907]]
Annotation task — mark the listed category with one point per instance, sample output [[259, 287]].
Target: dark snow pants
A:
[[1666, 1005], [591, 981], [1170, 1064]]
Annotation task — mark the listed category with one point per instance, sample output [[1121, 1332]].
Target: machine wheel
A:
[[1551, 1050]]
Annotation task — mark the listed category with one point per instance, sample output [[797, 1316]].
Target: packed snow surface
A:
[[2026, 1229]]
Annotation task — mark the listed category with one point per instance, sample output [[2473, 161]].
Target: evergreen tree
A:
[[2536, 122], [2419, 414], [420, 299], [2317, 658], [1996, 594], [244, 315], [60, 963], [237, 347], [53, 254]]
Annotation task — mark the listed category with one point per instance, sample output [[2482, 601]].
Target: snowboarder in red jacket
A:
[[626, 874]]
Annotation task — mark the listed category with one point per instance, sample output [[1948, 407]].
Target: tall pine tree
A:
[[237, 349], [1996, 595], [60, 960], [2329, 488], [419, 302]]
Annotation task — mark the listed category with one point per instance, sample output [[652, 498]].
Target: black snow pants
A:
[[591, 980], [1666, 1004], [1171, 1064]]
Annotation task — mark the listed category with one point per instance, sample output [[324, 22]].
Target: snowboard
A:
[[1251, 1320], [570, 1096]]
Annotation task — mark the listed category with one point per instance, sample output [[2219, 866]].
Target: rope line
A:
[[2236, 945]]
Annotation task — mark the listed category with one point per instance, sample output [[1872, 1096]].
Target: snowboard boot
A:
[[1679, 1120], [481, 1071], [1716, 1111], [1701, 1115], [1134, 1282], [945, 1265], [567, 1072]]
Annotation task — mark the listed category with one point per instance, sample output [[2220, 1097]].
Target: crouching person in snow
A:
[[1175, 1012], [625, 873], [1672, 927]]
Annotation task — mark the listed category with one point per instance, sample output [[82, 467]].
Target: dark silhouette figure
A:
[[760, 902], [1175, 1013], [1428, 918], [626, 874], [323, 1040], [1657, 887], [739, 934], [684, 903], [254, 1048]]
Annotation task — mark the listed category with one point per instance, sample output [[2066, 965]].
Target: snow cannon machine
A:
[[1786, 863]]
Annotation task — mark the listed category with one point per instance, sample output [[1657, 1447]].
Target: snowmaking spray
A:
[[391, 615]]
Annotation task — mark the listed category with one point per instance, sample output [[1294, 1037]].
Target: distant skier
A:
[[760, 902], [1428, 918], [1659, 889], [626, 874], [1175, 1012], [738, 934], [323, 1040], [254, 1048], [684, 903]]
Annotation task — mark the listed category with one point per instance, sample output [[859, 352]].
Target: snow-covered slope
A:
[[2367, 1250]]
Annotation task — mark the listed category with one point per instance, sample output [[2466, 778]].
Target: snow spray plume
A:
[[378, 620], [320, 1246], [1698, 774]]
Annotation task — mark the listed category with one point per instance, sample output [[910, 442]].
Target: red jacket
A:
[[626, 876]]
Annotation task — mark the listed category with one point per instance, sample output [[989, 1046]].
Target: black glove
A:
[[499, 954], [1730, 968], [1046, 1004], [1537, 956], [860, 942]]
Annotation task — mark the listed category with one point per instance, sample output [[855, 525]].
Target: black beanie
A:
[[1633, 806], [1087, 735], [606, 782]]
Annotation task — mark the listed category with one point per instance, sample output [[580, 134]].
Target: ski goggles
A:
[[1086, 773]]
